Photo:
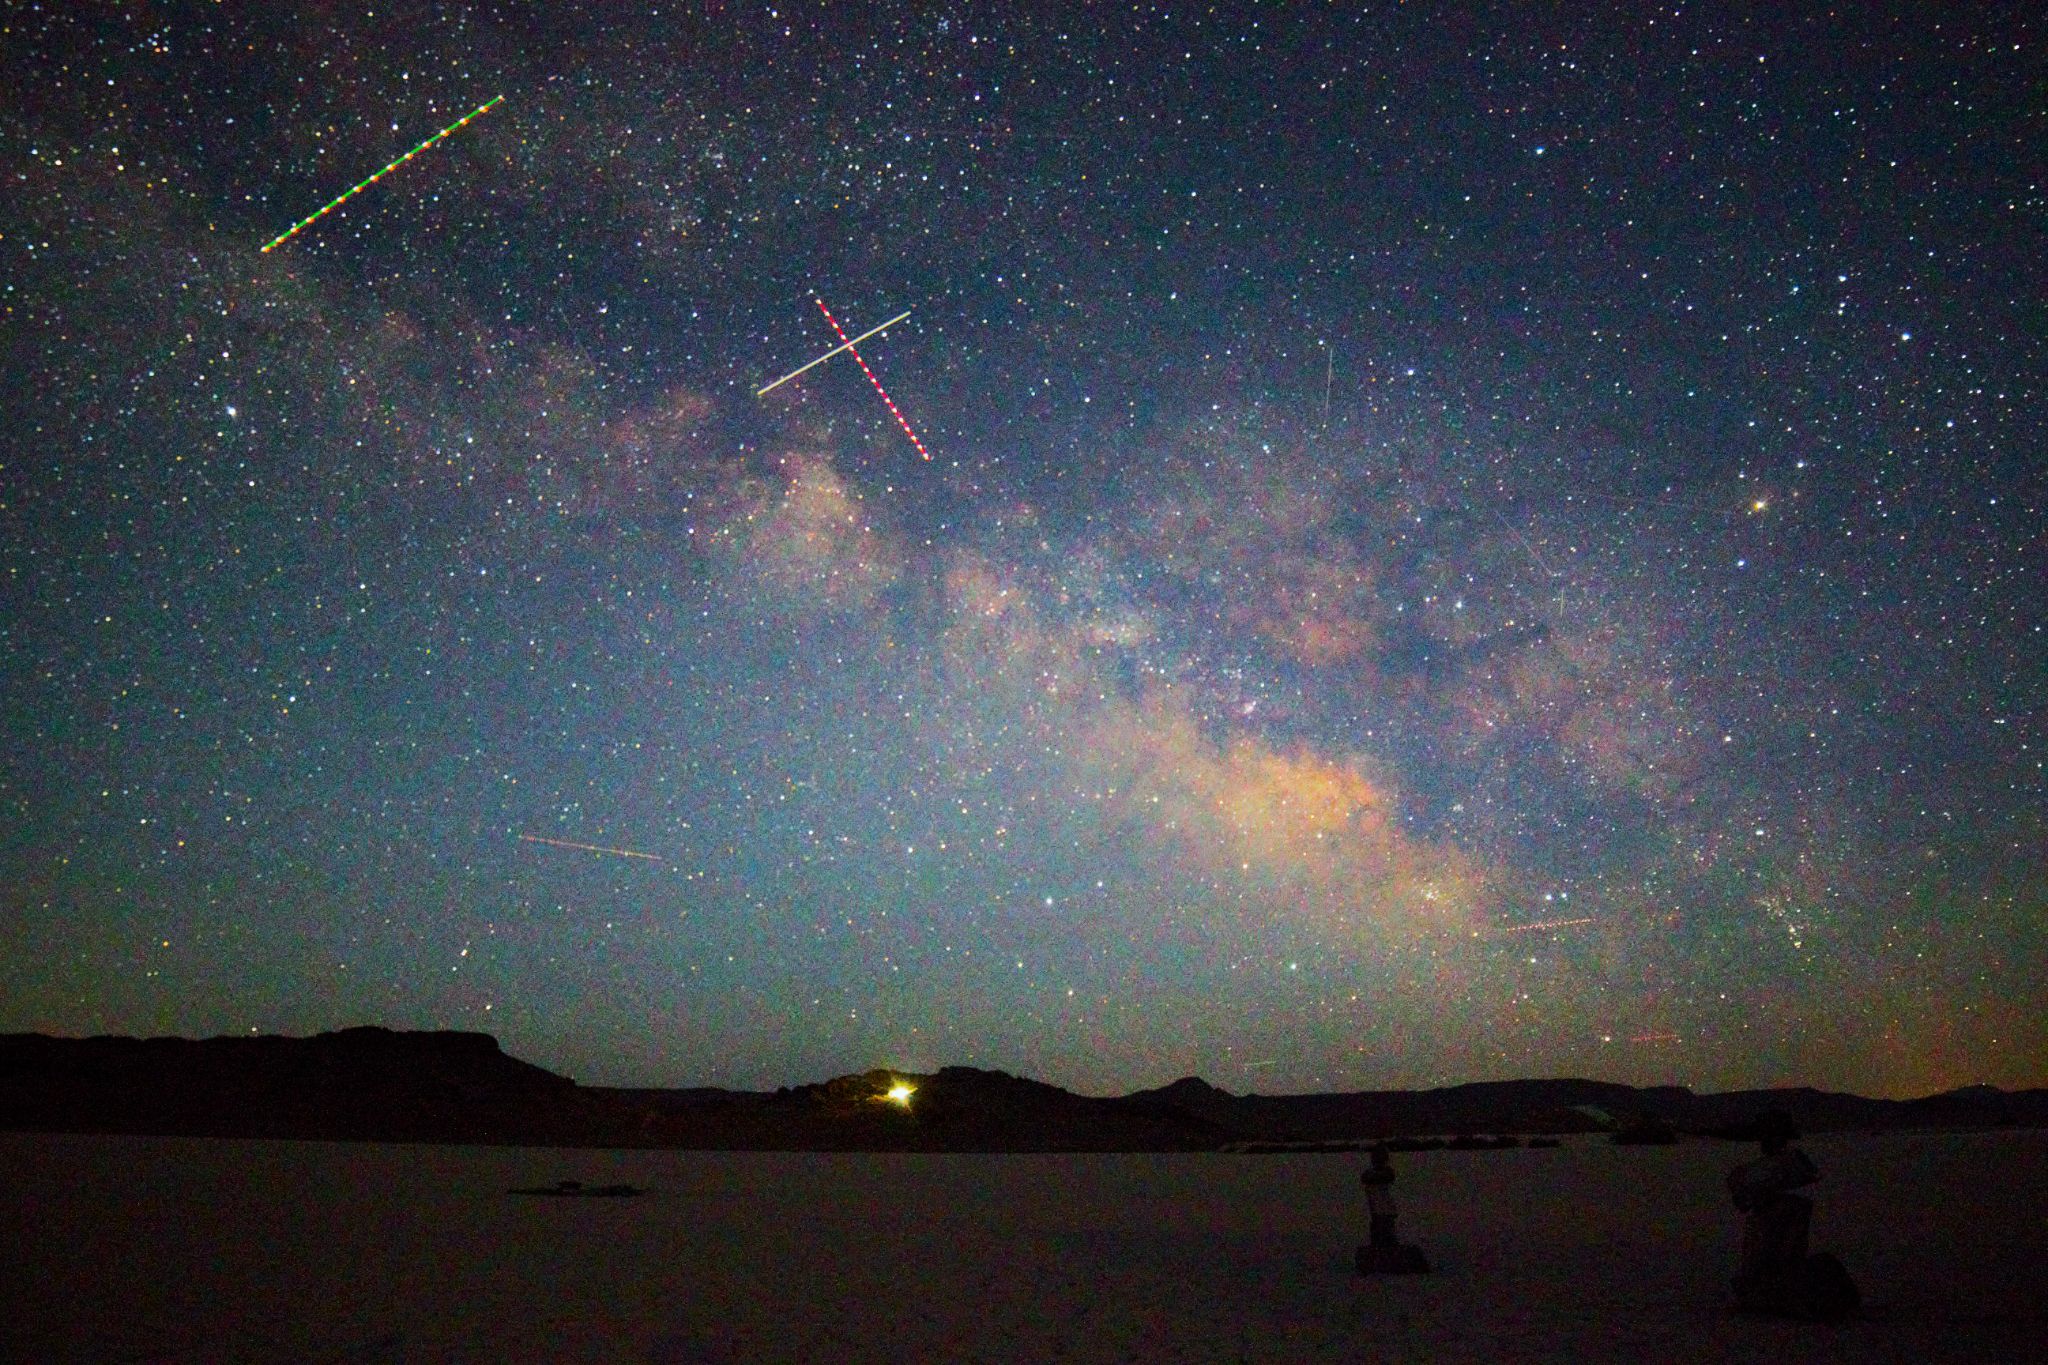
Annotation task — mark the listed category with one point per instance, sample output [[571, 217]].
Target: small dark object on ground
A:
[[576, 1189], [1404, 1259], [1819, 1290]]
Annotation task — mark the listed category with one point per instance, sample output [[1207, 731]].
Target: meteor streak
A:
[[1546, 924], [591, 848], [872, 331], [296, 228]]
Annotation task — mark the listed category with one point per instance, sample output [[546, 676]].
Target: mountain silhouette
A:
[[375, 1084]]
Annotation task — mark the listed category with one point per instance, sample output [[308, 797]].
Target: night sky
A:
[[1456, 544]]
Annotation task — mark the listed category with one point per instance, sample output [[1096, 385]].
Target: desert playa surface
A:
[[176, 1249]]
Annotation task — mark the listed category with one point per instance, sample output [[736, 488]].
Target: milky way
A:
[[1456, 545]]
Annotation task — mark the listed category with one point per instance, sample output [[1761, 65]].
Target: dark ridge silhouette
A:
[[1536, 1106], [373, 1084], [358, 1084], [956, 1109]]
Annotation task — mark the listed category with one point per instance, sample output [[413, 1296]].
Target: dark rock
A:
[[576, 1189]]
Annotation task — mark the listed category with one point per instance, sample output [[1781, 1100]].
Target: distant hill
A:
[[373, 1084], [956, 1109], [1568, 1106], [1559, 1106], [363, 1084]]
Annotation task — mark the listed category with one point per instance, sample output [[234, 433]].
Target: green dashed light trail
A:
[[296, 228]]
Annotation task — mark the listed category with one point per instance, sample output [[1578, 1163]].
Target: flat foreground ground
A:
[[171, 1249]]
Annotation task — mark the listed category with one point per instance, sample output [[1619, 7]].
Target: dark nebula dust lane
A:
[[1390, 549]]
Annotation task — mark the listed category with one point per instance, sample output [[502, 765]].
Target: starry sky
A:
[[1458, 542]]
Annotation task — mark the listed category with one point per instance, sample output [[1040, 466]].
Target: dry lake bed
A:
[[190, 1250]]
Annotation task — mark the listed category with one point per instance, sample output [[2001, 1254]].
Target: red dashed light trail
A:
[[847, 346]]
